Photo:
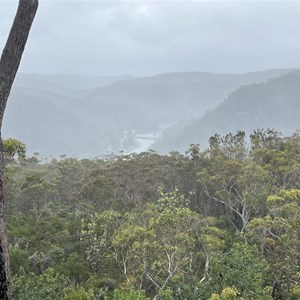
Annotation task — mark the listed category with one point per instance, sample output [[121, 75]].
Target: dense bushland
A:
[[222, 223]]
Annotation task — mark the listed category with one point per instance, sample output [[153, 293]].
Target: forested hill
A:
[[61, 114], [219, 224], [272, 104], [169, 98]]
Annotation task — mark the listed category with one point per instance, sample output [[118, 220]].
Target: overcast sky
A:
[[147, 38]]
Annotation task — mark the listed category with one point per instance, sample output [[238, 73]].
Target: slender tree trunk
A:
[[9, 64]]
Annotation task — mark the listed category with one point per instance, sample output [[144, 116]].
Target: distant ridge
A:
[[94, 115], [271, 104], [64, 83]]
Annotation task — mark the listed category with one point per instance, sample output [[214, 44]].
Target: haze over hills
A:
[[69, 85], [94, 115], [272, 104], [169, 98]]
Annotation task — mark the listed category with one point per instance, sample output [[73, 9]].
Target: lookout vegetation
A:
[[221, 223], [9, 64]]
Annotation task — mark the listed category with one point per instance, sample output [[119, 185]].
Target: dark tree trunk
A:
[[9, 64]]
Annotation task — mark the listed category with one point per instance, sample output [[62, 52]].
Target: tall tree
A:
[[9, 64]]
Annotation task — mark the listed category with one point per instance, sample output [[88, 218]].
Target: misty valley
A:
[[172, 187], [174, 175], [89, 116]]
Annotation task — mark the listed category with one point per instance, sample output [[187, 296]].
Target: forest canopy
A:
[[219, 223]]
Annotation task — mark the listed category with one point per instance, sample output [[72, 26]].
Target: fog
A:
[[129, 69], [150, 37]]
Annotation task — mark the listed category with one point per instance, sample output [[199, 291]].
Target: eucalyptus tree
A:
[[9, 64], [231, 179], [277, 235]]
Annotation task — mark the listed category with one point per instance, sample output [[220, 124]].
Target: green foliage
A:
[[166, 294], [277, 234], [18, 259], [171, 201], [228, 293], [161, 248], [229, 179], [48, 286], [218, 224], [76, 293], [294, 293], [74, 268], [98, 233], [130, 295], [242, 267], [12, 148]]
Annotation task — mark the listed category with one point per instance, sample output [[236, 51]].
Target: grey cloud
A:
[[141, 38]]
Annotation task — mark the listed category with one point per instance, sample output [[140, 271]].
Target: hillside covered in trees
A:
[[86, 116], [216, 224], [172, 184], [271, 104]]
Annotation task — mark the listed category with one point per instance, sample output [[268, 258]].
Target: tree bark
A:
[[9, 64]]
